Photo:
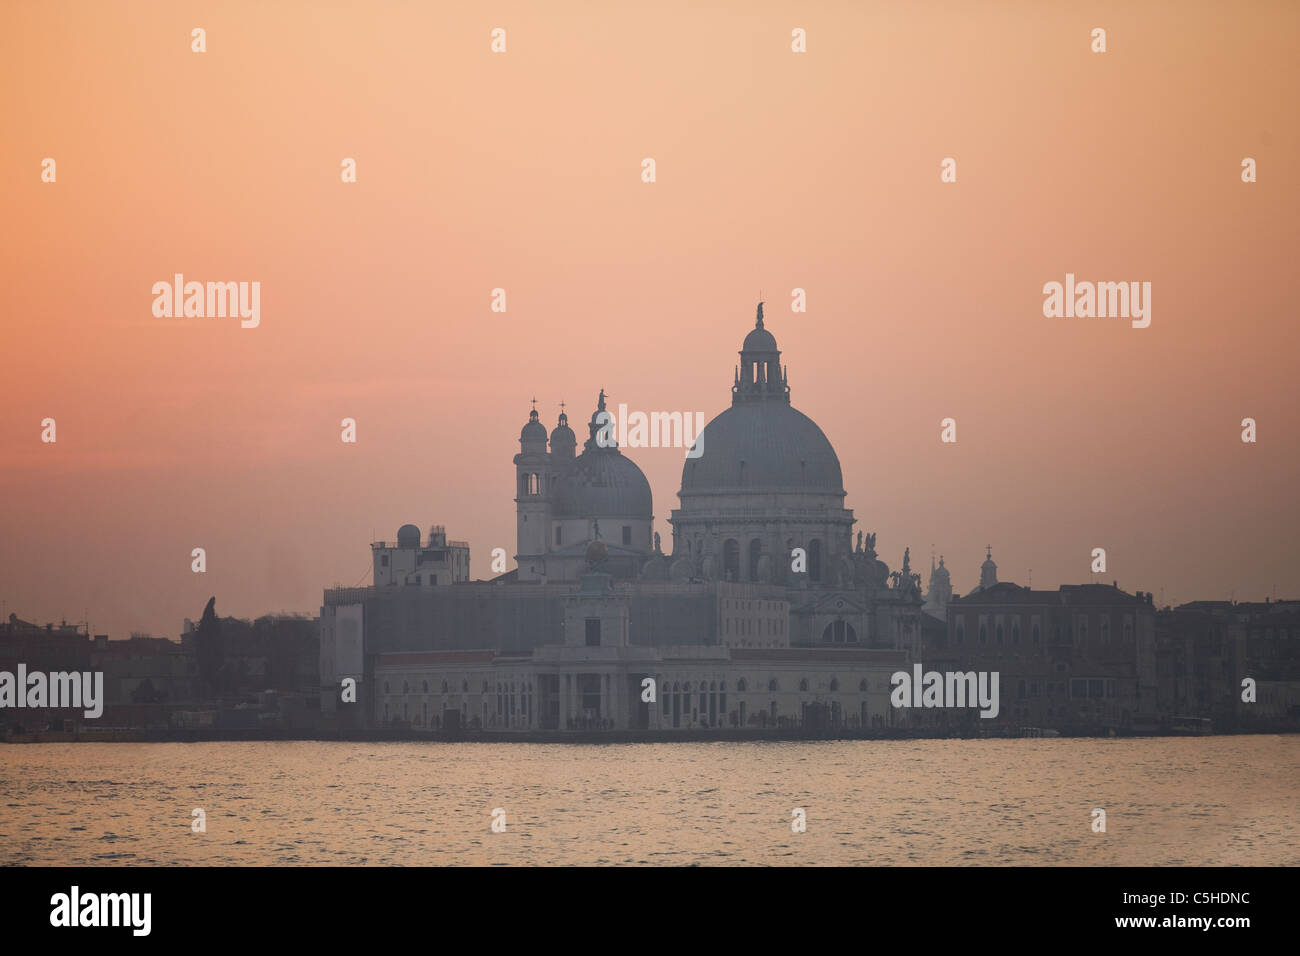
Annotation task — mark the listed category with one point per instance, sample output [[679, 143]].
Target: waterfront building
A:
[[764, 614]]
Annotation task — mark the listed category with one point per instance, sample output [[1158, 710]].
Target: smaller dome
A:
[[988, 573], [562, 436], [408, 536], [533, 430], [759, 340]]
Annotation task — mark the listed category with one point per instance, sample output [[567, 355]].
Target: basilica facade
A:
[[765, 612]]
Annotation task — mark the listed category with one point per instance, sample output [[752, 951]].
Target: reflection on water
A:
[[1213, 800]]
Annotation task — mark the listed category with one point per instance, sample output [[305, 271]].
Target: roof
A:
[[753, 447], [602, 482], [1006, 592]]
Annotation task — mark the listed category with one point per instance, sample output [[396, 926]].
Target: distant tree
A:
[[207, 646]]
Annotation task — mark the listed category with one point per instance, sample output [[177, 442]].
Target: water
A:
[[1177, 801]]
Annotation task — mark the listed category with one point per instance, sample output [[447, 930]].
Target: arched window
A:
[[406, 688], [815, 559], [385, 687], [984, 634], [444, 687], [755, 552], [741, 685], [731, 560], [803, 684], [1035, 634], [961, 632], [835, 684], [1105, 630], [425, 686], [999, 632], [862, 685], [1015, 632], [839, 632], [771, 685], [464, 687]]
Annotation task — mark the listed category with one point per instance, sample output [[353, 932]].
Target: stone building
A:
[[766, 613], [1081, 657]]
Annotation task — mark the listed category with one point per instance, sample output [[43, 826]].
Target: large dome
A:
[[602, 482], [763, 446]]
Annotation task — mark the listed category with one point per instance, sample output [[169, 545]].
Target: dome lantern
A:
[[760, 378]]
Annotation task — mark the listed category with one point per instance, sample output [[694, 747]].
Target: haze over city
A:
[[522, 172]]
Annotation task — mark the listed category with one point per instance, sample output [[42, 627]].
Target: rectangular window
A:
[[557, 534], [1096, 688], [627, 534], [1078, 688], [593, 632]]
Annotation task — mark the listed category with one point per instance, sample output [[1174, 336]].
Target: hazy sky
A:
[[522, 170]]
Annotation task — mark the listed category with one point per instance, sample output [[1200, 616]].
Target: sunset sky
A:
[[522, 170]]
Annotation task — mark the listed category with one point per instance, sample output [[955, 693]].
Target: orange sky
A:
[[522, 170]]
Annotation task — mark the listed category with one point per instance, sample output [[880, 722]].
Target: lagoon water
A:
[[1168, 801]]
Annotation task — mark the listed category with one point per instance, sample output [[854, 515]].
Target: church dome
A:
[[762, 443], [534, 430], [563, 440], [759, 340], [602, 482], [763, 446]]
